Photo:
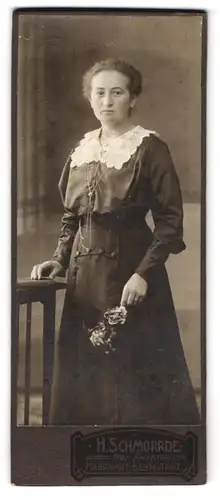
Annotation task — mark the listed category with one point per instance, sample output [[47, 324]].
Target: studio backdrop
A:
[[54, 52]]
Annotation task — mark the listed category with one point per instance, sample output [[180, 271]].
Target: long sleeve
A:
[[166, 207], [69, 227], [69, 223]]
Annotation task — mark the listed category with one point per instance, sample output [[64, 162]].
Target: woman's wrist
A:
[[141, 275]]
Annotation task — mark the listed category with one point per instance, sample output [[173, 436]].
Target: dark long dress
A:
[[145, 380]]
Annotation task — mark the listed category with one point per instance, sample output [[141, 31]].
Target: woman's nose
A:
[[107, 100]]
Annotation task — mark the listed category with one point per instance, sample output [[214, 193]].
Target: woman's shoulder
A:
[[154, 137], [86, 138], [145, 132], [89, 137], [85, 149], [154, 145]]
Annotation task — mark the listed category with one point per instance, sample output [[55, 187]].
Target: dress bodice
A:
[[143, 180], [108, 180]]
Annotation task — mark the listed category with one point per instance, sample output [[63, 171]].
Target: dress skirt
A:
[[145, 380]]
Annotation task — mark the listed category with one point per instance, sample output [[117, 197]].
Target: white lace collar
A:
[[118, 152]]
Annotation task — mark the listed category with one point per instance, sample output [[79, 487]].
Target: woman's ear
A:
[[133, 101], [90, 103]]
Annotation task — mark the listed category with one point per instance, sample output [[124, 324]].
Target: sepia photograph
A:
[[108, 255]]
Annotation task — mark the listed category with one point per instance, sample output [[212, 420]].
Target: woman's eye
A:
[[100, 93], [117, 92]]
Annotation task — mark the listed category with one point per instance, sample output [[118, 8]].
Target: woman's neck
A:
[[113, 131]]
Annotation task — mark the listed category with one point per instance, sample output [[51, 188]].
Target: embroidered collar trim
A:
[[119, 149]]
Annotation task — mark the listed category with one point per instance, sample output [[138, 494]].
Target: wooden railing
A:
[[29, 292]]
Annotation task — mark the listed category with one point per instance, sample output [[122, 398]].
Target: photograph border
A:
[[60, 438]]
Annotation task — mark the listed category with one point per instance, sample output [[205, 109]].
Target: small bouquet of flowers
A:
[[105, 331]]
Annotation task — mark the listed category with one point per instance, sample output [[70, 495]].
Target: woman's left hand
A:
[[134, 291]]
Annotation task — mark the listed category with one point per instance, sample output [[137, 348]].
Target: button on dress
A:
[[104, 240]]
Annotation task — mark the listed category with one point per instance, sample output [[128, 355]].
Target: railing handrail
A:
[[29, 284], [29, 290]]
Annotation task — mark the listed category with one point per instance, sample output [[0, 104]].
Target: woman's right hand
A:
[[49, 268]]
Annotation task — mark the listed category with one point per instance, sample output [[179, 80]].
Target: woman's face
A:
[[110, 97]]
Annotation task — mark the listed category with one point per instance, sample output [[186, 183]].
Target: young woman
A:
[[112, 178]]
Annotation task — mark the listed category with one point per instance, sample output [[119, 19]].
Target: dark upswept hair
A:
[[133, 75]]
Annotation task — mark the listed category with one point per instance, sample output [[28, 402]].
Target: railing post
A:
[[14, 360], [27, 364], [49, 304]]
